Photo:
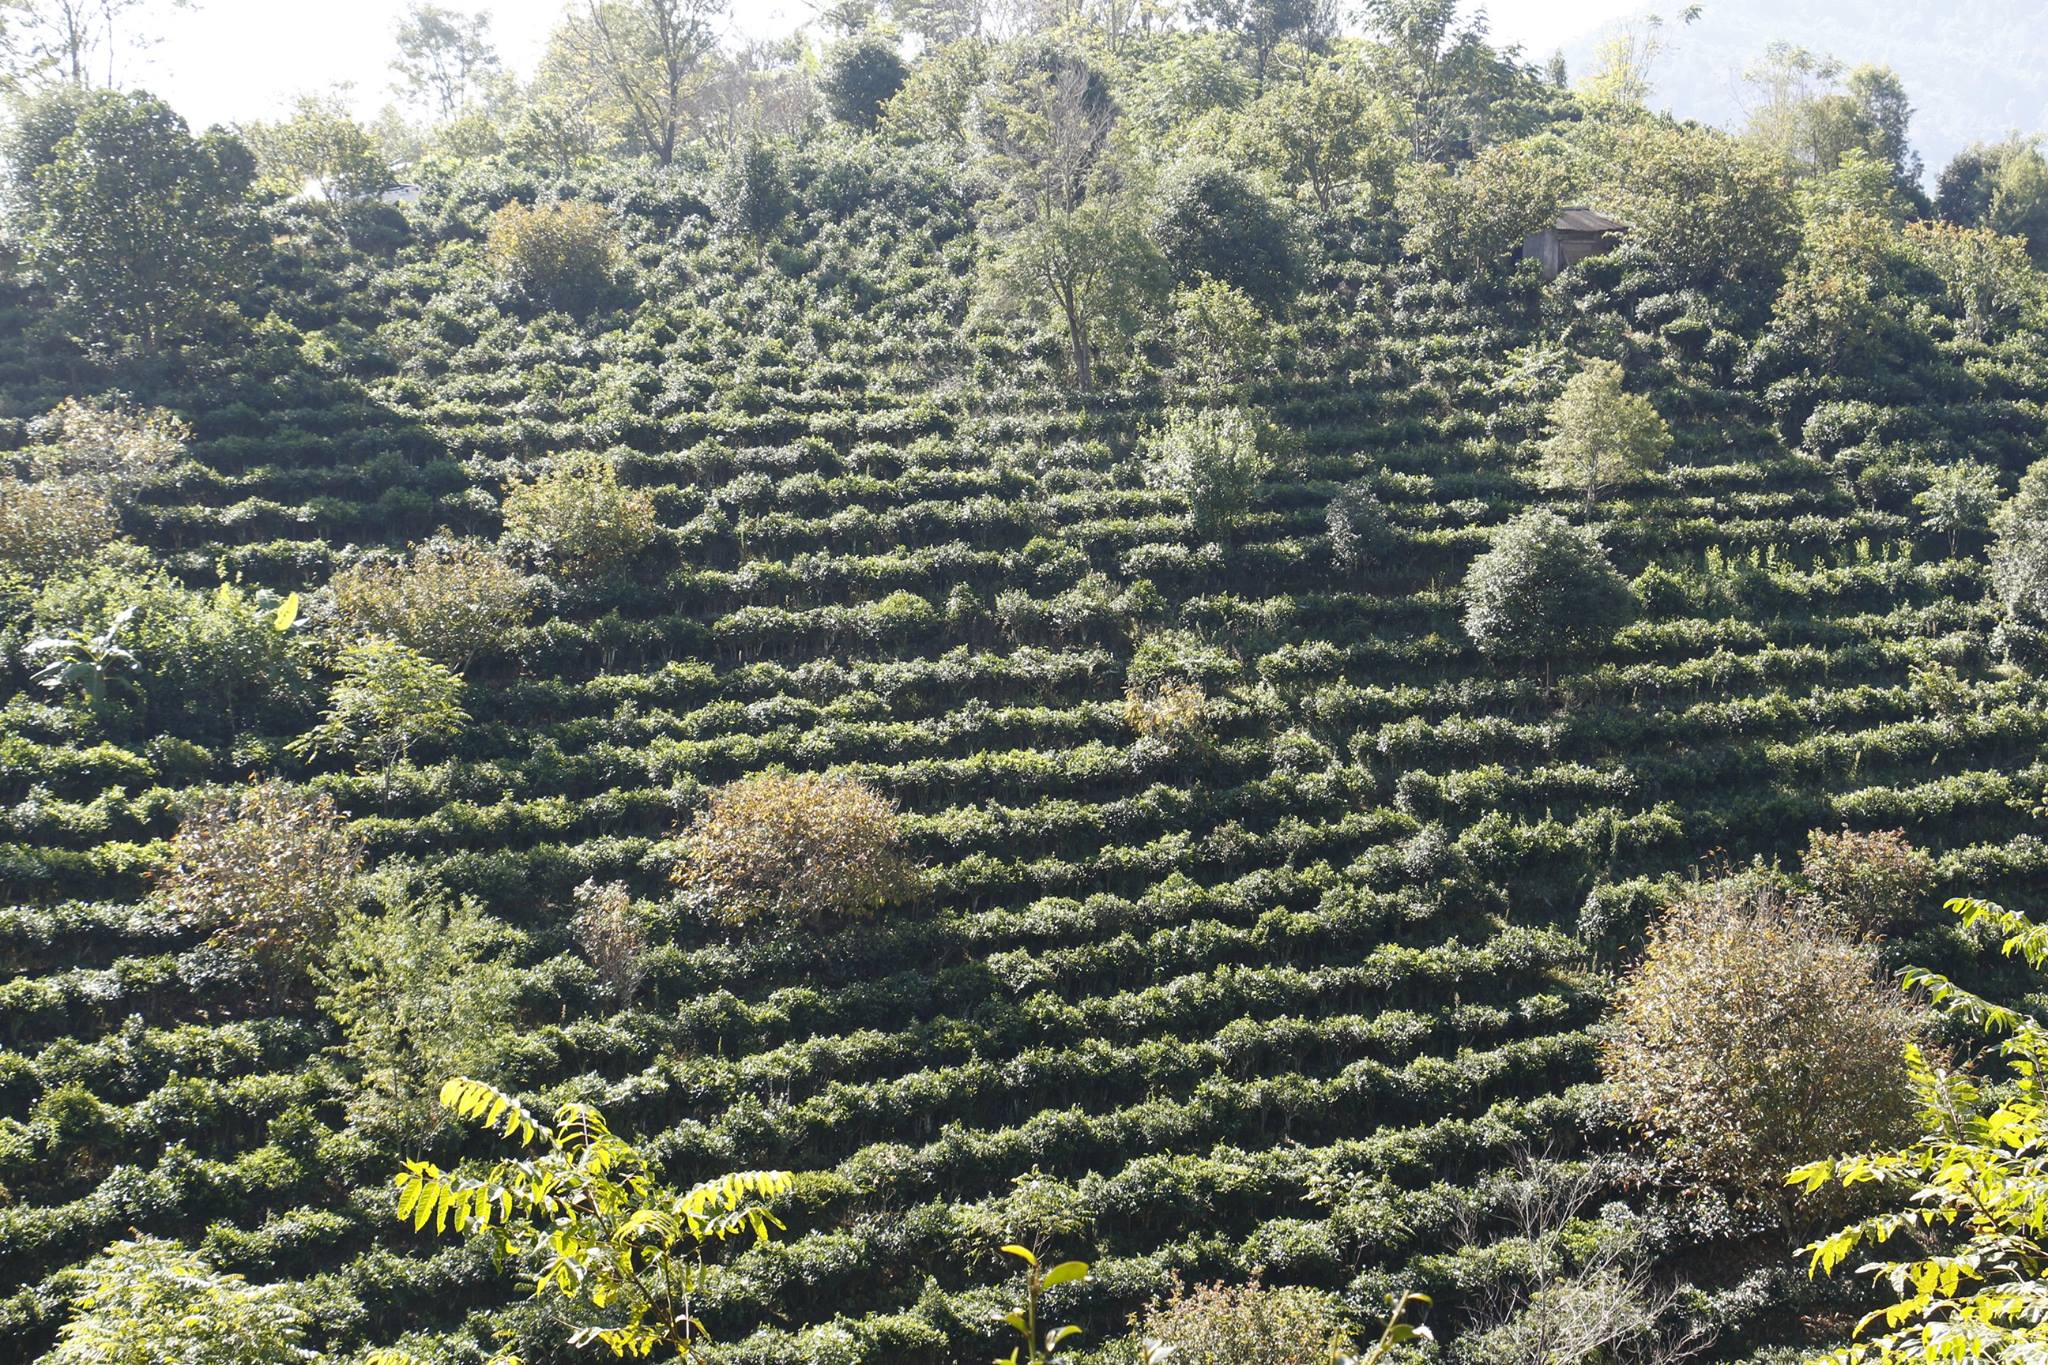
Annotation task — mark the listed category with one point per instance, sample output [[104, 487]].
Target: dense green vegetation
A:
[[1051, 645]]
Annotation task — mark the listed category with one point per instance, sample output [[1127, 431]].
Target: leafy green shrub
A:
[[807, 848], [1967, 1194], [862, 74], [1867, 883], [421, 986], [107, 444], [1544, 589], [451, 600], [1216, 458], [148, 1301], [51, 526], [1600, 434], [1249, 1324], [268, 869], [388, 700], [612, 935], [561, 255], [2019, 554], [1751, 1038], [579, 517]]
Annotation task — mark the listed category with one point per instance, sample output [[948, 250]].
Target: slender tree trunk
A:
[[1077, 330]]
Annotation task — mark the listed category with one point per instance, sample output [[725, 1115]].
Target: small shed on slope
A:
[[1577, 234]]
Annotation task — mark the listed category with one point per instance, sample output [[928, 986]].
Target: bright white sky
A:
[[232, 60]]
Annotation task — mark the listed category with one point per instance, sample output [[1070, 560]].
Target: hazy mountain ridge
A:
[[1976, 69]]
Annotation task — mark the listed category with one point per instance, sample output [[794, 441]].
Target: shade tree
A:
[[1544, 590], [1752, 1038], [641, 60], [445, 58], [1959, 499], [563, 255], [1866, 883], [388, 701], [1070, 246], [1456, 92], [1601, 434], [750, 193], [1220, 338], [319, 151], [1329, 134], [420, 984], [1263, 27], [812, 849], [1471, 220], [148, 1300], [451, 599], [1211, 222], [2002, 186], [135, 225], [1361, 533], [1247, 1324], [1704, 210], [49, 527], [2019, 550], [266, 870], [107, 443], [612, 933], [76, 44], [862, 74], [584, 1215], [1217, 458]]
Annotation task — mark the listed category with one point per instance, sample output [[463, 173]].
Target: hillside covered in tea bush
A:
[[1073, 462]]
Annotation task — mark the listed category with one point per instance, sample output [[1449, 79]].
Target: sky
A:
[[228, 61]]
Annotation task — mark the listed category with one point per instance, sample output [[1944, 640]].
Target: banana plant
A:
[[81, 661], [1039, 1348]]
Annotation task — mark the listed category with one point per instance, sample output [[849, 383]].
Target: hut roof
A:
[[1581, 219]]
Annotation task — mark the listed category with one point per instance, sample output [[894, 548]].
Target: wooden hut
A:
[[1577, 234]]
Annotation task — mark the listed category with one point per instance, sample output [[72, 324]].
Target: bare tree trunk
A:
[[1077, 331]]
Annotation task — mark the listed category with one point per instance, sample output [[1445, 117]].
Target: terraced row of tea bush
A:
[[1261, 924]]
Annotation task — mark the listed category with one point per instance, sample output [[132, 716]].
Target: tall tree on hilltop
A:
[[647, 56], [1261, 26], [444, 57], [73, 42], [1073, 243]]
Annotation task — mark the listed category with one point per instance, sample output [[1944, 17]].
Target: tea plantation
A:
[[1261, 924]]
